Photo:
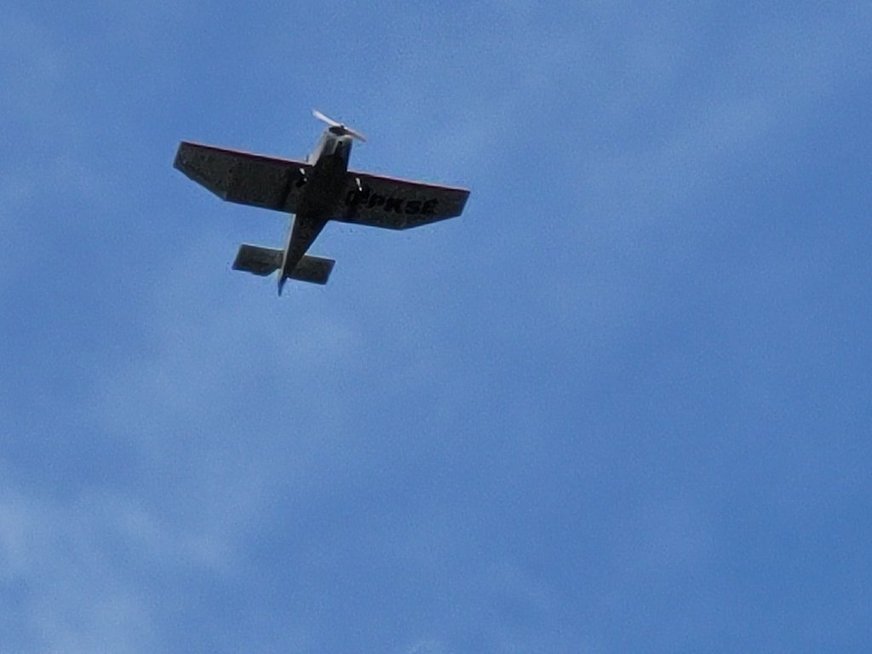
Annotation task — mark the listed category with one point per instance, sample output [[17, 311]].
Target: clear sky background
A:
[[621, 404]]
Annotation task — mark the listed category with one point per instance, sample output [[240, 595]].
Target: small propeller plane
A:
[[316, 190]]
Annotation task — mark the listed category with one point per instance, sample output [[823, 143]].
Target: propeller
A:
[[337, 127]]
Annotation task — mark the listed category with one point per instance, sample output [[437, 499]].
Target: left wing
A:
[[242, 177], [397, 203]]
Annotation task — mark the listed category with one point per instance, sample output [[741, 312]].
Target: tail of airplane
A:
[[265, 261]]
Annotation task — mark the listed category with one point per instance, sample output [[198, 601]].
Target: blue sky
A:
[[621, 404]]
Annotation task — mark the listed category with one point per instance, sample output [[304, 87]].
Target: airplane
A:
[[316, 190]]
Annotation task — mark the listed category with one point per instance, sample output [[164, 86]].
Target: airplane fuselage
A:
[[320, 196], [325, 179]]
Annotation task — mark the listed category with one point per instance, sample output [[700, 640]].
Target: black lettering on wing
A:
[[394, 204], [355, 198], [429, 207]]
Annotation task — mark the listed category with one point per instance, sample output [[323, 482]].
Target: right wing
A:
[[397, 203], [243, 177]]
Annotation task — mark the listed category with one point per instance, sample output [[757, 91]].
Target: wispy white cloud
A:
[[72, 559]]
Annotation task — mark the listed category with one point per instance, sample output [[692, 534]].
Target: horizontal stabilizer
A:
[[313, 269], [265, 261], [258, 260]]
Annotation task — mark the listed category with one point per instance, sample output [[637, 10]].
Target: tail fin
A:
[[265, 261]]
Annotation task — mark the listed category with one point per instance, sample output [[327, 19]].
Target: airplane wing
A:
[[396, 203], [242, 177]]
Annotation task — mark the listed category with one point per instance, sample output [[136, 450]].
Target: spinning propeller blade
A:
[[337, 127]]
